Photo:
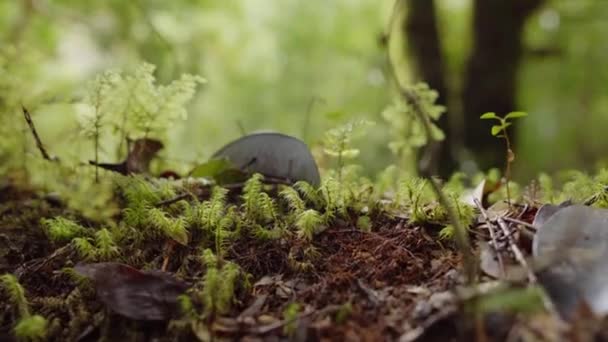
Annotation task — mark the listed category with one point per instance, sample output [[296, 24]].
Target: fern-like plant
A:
[[106, 246], [338, 142], [309, 223], [61, 229], [219, 285], [258, 205], [16, 294], [28, 327]]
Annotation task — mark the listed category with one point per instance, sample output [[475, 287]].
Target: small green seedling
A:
[[500, 131]]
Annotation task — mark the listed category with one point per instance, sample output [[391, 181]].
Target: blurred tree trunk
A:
[[490, 75], [491, 72], [424, 48]]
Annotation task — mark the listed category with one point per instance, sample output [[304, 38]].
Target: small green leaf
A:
[[496, 129], [514, 115], [489, 115]]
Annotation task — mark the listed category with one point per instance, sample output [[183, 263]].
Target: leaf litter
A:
[[396, 282]]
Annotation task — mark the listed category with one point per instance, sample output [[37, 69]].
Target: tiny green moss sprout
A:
[[61, 229], [102, 100], [343, 313], [106, 246], [364, 223], [16, 294], [28, 327], [262, 233], [338, 142], [332, 194], [174, 228], [31, 328], [85, 249], [293, 199], [500, 131], [186, 306], [413, 194], [219, 285], [545, 183], [447, 232], [258, 205], [309, 194], [290, 315], [309, 223], [230, 275]]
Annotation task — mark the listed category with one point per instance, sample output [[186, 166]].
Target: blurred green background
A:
[[302, 67]]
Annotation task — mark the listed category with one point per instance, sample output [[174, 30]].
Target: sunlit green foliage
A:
[[219, 285], [406, 132], [61, 229], [31, 328]]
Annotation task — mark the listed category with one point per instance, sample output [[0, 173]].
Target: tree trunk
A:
[[491, 72], [424, 49]]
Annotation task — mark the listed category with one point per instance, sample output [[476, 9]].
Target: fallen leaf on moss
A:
[[139, 295]]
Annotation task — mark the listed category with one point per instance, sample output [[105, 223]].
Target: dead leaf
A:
[[140, 295], [138, 160], [489, 265]]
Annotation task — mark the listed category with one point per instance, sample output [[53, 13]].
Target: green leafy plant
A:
[[309, 223], [500, 131], [219, 284], [338, 142], [406, 130], [259, 207]]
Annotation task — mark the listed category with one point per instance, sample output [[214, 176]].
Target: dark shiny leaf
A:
[[273, 155], [140, 295]]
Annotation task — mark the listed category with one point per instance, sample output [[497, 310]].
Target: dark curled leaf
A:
[[140, 295], [138, 161], [272, 154]]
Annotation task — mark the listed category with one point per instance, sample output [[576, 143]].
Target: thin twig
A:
[[519, 256], [30, 123], [501, 263], [523, 223]]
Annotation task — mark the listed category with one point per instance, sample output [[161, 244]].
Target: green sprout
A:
[[500, 131]]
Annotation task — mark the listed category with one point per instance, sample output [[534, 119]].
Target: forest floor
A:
[[398, 282]]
